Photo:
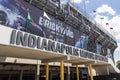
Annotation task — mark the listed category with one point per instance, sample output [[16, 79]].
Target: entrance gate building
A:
[[40, 40]]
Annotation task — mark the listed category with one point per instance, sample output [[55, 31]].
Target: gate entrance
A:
[[54, 73]]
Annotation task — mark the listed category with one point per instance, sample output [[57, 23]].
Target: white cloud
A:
[[114, 22], [102, 20], [87, 1], [117, 36], [76, 1], [105, 8]]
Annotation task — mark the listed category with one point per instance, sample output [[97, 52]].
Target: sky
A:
[[103, 11]]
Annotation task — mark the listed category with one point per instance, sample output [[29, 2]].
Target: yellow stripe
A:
[[47, 71], [77, 72], [91, 74], [61, 70]]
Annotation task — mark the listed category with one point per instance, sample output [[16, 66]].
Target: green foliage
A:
[[118, 64]]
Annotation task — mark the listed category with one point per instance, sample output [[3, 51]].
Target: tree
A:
[[118, 64]]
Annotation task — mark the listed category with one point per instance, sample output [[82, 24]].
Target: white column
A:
[[108, 70], [21, 74], [68, 72], [38, 70]]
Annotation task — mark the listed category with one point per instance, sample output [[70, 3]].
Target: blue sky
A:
[[107, 9]]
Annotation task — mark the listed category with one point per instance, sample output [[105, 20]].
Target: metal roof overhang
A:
[[44, 56], [21, 52]]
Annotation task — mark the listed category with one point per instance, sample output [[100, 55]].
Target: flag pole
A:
[[27, 20]]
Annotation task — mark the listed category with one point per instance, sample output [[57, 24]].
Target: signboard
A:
[[26, 40], [31, 41]]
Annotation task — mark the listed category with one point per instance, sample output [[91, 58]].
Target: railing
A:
[[91, 19]]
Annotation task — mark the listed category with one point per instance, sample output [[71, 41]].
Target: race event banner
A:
[[20, 15]]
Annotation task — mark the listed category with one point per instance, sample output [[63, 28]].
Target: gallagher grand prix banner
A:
[[23, 16]]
